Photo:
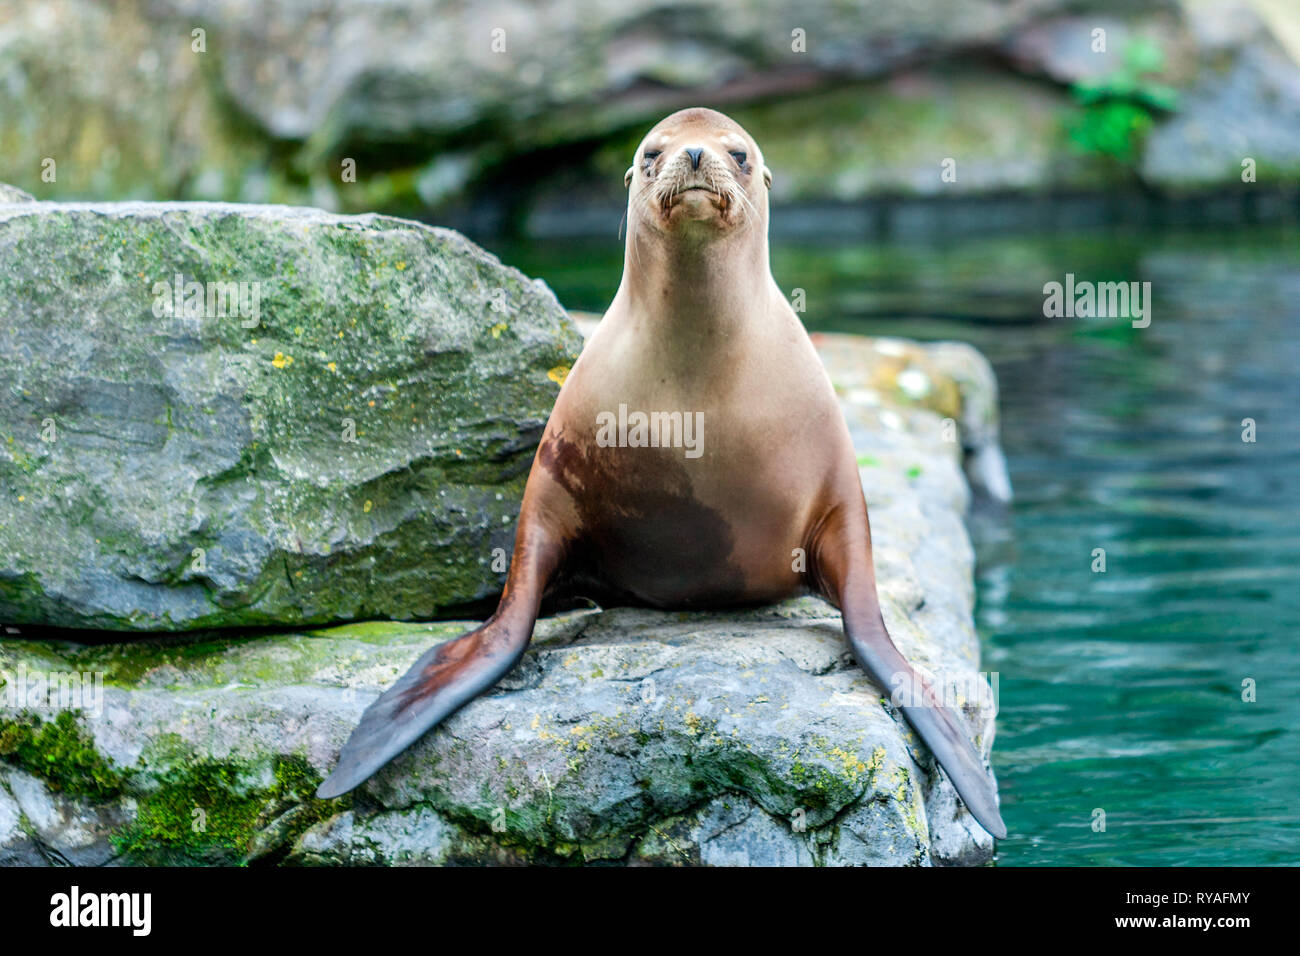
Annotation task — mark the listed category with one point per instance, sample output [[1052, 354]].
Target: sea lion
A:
[[695, 450]]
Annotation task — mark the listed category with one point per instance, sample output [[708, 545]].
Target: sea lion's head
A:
[[697, 173]]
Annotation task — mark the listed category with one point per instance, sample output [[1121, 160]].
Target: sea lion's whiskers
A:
[[747, 213]]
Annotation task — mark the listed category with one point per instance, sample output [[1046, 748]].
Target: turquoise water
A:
[[1120, 691]]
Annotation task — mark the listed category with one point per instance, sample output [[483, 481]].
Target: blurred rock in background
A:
[[521, 116]]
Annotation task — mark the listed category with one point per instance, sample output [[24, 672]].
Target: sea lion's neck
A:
[[688, 291]]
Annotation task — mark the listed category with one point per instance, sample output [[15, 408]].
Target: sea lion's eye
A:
[[652, 154], [739, 156]]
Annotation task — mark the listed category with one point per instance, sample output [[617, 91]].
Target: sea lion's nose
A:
[[695, 152]]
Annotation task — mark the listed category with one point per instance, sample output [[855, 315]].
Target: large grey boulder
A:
[[623, 736], [1244, 103], [219, 415]]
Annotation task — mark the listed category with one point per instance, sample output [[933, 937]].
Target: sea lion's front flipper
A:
[[843, 573], [450, 675]]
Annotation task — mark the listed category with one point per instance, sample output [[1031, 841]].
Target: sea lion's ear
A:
[[627, 176], [767, 177]]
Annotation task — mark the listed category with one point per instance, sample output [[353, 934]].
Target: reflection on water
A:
[[1121, 691]]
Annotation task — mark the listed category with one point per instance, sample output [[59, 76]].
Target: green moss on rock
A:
[[212, 811], [60, 752]]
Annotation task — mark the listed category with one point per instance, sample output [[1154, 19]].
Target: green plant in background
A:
[[1119, 109]]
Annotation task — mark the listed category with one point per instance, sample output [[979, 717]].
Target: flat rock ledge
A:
[[624, 736]]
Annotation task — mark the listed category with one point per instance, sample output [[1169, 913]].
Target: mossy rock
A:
[[624, 736], [347, 440]]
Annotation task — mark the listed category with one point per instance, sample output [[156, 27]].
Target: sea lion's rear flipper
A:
[[452, 674], [936, 724], [844, 575]]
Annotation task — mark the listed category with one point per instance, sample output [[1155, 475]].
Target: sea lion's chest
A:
[[693, 474], [673, 513]]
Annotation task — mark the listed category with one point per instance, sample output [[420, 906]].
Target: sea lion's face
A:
[[698, 173]]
